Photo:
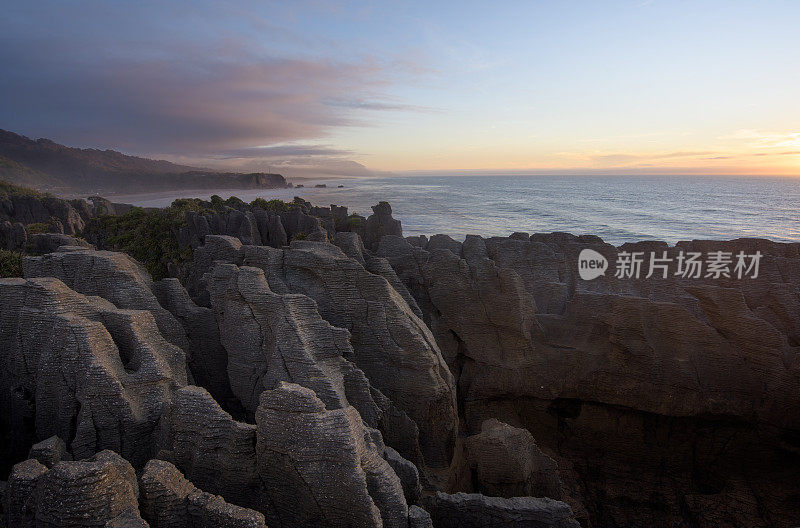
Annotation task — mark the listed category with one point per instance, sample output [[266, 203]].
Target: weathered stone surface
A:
[[407, 473], [127, 519], [85, 493], [82, 369], [641, 371], [271, 338], [383, 328], [384, 331], [508, 463], [270, 228], [20, 495], [29, 208], [419, 518], [301, 465], [208, 361], [49, 452], [379, 224], [463, 510], [168, 499], [214, 451], [335, 476], [13, 236], [48, 242], [444, 242], [296, 222], [353, 247], [111, 275]]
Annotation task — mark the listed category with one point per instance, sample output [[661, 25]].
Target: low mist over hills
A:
[[44, 164]]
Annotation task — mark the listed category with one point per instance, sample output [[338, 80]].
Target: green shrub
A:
[[300, 235], [18, 190], [10, 263], [146, 235], [355, 221], [275, 205], [38, 227], [235, 201]]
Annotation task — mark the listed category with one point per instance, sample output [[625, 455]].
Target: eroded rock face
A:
[[471, 510], [82, 369], [379, 224], [208, 360], [384, 331], [85, 493], [508, 463], [48, 242], [111, 275], [336, 477], [300, 465], [122, 281], [272, 338], [31, 208], [50, 452], [624, 380], [168, 499], [13, 236]]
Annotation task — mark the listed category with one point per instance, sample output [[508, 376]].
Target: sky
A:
[[618, 86]]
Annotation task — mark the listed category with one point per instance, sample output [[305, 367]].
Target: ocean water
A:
[[617, 208]]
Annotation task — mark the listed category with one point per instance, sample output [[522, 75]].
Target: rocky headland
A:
[[284, 365], [46, 165]]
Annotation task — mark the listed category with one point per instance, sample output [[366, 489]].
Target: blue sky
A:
[[638, 86]]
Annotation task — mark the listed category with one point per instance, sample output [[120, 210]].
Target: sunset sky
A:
[[630, 86]]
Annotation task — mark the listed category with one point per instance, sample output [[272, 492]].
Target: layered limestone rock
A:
[[625, 380], [102, 491], [508, 463], [254, 225], [390, 344], [167, 499], [80, 368], [301, 464], [215, 452], [124, 282], [463, 510], [113, 276], [208, 360], [85, 493], [336, 476], [48, 242], [31, 207], [13, 236], [379, 224], [50, 452], [272, 338]]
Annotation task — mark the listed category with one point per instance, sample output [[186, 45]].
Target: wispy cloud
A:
[[187, 93], [623, 158], [765, 139], [284, 151]]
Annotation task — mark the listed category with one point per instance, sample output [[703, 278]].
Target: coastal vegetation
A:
[[10, 263]]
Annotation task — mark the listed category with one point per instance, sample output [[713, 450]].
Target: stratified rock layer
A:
[[82, 369], [471, 510], [86, 493], [335, 476], [508, 463], [168, 499], [661, 399], [391, 345], [301, 464]]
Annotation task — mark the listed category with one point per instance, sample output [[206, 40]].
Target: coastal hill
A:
[[46, 165]]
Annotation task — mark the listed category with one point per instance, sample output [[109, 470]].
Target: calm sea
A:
[[618, 209]]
